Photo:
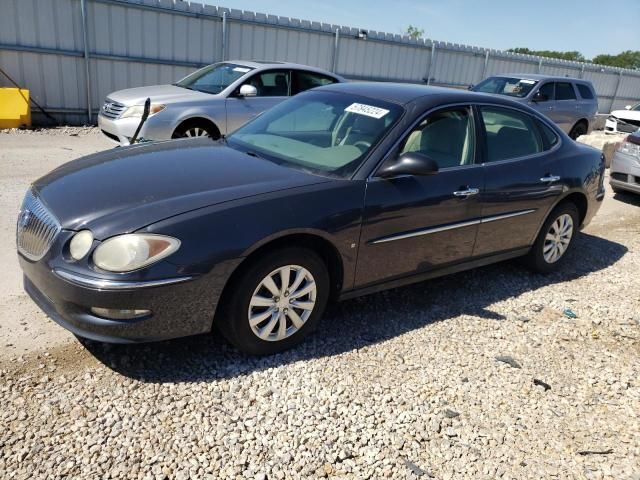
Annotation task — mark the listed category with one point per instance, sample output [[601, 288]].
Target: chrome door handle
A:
[[467, 192], [550, 178]]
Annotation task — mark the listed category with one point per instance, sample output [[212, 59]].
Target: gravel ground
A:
[[483, 374]]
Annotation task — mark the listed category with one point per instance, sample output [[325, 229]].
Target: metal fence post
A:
[[431, 63], [334, 60], [540, 66], [615, 95], [486, 64], [582, 71], [223, 55], [85, 36]]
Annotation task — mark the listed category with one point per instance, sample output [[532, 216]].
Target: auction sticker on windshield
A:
[[527, 82], [368, 110]]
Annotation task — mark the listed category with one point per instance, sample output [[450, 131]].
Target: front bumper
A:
[[625, 172], [177, 309], [121, 130], [619, 126]]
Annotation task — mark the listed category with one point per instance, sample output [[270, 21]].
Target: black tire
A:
[[535, 259], [233, 322], [196, 128], [578, 129]]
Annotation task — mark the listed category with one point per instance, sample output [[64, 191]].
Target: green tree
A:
[[626, 59], [571, 55], [415, 32]]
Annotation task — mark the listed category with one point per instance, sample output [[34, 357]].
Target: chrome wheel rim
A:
[[196, 132], [282, 303], [558, 238]]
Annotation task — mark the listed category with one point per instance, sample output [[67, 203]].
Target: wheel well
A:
[[580, 201], [582, 120], [322, 247], [198, 121]]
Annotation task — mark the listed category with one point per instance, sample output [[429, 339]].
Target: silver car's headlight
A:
[[133, 251], [137, 110]]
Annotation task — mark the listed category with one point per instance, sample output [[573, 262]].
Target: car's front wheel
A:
[[555, 238], [275, 302]]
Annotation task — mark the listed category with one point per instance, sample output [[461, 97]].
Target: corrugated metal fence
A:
[[72, 53]]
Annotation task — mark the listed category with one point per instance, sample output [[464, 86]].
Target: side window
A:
[[274, 83], [446, 136], [311, 117], [585, 91], [547, 90], [510, 134], [565, 91], [305, 80], [549, 136]]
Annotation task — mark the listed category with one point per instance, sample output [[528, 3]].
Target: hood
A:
[[158, 94], [627, 114], [125, 189]]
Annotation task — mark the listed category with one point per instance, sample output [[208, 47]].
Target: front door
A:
[[523, 180], [413, 224], [273, 87]]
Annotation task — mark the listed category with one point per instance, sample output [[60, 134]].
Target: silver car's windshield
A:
[[214, 78], [324, 132], [511, 86]]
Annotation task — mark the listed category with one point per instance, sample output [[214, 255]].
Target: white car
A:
[[623, 121]]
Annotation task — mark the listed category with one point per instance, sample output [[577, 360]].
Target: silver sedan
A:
[[212, 101]]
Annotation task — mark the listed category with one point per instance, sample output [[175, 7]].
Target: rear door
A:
[[273, 87], [523, 179], [566, 105]]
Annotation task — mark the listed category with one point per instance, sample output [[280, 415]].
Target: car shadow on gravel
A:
[[628, 197], [357, 323]]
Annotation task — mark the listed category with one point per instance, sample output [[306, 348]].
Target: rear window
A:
[[565, 91], [585, 91], [548, 135]]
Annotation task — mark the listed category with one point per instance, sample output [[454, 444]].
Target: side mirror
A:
[[410, 163], [470, 87], [247, 90], [627, 107], [540, 97]]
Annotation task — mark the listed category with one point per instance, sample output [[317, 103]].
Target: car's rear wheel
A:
[[196, 128], [555, 239], [578, 129], [275, 302]]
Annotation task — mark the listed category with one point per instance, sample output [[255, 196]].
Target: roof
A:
[[403, 93], [267, 64], [540, 76]]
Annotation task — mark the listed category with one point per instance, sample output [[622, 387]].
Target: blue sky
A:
[[589, 26]]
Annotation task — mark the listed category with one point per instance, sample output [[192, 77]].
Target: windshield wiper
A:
[[251, 153], [182, 86]]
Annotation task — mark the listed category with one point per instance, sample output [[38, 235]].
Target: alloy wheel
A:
[[558, 238], [282, 303], [196, 132]]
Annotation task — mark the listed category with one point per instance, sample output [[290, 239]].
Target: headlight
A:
[[137, 110], [129, 252], [80, 244], [630, 148]]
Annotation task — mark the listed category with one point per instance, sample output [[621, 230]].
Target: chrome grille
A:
[[112, 109], [37, 228]]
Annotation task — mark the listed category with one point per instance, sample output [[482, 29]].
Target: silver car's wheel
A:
[[196, 132], [558, 238], [282, 303]]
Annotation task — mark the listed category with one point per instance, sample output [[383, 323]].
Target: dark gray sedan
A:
[[340, 191]]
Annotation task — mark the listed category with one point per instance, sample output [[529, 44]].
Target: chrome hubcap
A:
[[282, 303], [558, 238], [196, 132]]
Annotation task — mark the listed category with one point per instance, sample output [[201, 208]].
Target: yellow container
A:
[[15, 110]]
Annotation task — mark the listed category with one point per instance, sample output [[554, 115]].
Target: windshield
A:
[[214, 78], [323, 132], [511, 86]]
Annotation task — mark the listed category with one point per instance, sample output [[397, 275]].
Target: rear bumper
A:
[[177, 309]]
